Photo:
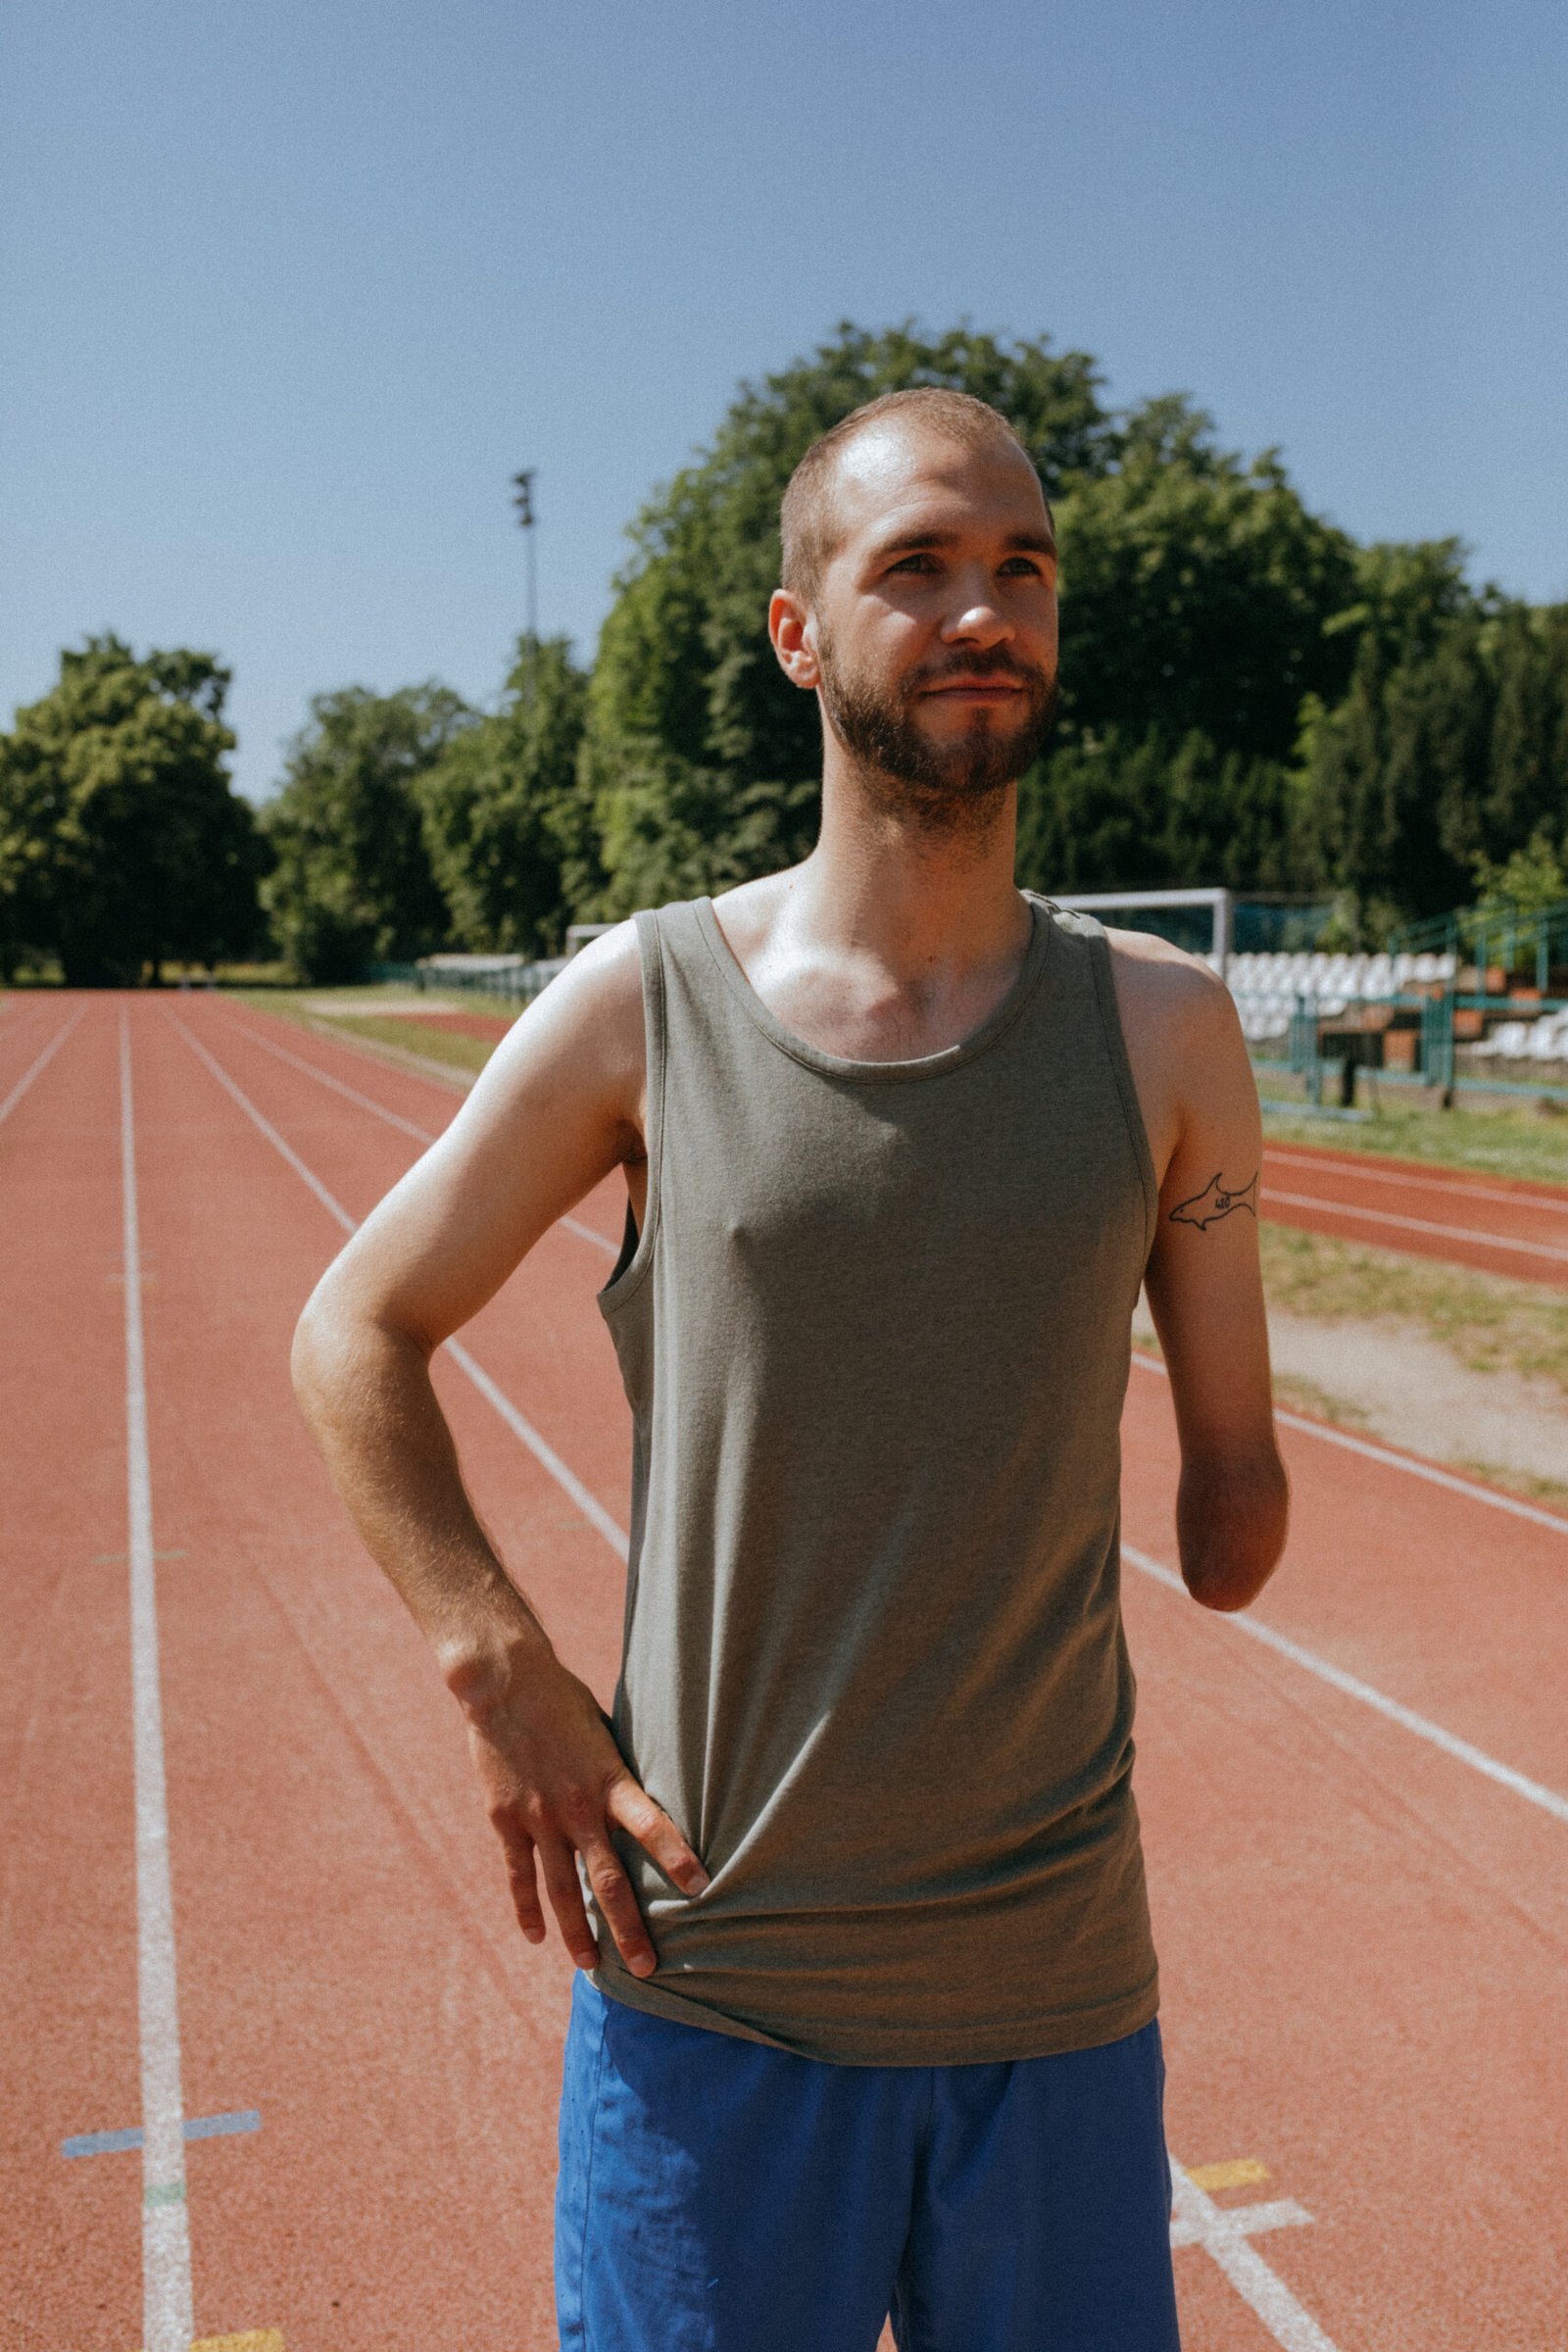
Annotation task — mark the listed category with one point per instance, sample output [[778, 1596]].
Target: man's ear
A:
[[794, 634]]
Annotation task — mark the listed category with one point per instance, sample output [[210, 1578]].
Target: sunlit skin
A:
[[896, 938]]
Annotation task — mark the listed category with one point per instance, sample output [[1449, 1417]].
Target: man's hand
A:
[[554, 1785]]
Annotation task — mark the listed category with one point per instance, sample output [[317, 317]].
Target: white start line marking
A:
[[1225, 2234]]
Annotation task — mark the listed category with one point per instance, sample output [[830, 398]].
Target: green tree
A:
[[702, 760], [1092, 816], [1194, 593], [1527, 785], [1533, 879], [1408, 593], [1446, 755], [510, 837], [352, 882], [1111, 812], [1198, 598], [122, 844]]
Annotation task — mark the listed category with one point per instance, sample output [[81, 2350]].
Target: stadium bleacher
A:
[[1269, 988]]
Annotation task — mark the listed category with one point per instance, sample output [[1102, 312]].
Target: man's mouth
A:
[[979, 690]]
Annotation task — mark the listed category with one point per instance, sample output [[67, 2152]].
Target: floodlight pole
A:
[[522, 499]]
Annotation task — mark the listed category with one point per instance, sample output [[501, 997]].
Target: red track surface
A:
[[1362, 1936], [1500, 1224]]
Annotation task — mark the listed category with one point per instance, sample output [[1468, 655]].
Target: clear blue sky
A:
[[289, 291]]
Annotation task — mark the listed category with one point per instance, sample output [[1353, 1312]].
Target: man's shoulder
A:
[[601, 978], [1182, 1035], [1178, 1017], [584, 1031], [1164, 983]]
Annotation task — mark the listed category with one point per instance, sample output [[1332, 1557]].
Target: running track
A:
[[1359, 1884], [1500, 1224]]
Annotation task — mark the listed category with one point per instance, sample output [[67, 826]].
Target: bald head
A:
[[811, 522]]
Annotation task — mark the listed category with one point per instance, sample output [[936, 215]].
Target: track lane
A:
[[69, 2230], [1422, 1857], [1414, 1176], [1499, 1226], [1352, 1997], [351, 1970], [540, 1336], [14, 1088], [1440, 1601]]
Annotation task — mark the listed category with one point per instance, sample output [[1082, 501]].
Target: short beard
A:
[[956, 787]]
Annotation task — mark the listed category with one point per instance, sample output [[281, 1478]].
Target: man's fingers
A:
[[523, 1885], [617, 1907], [560, 1865], [632, 1808]]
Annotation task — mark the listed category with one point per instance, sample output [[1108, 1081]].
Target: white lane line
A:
[[420, 1135], [167, 2322], [40, 1065], [591, 1509], [586, 1233], [1450, 1233], [350, 1094], [1224, 2237], [541, 1448], [1513, 1504], [332, 1207], [1353, 1688], [615, 1536], [1456, 1190]]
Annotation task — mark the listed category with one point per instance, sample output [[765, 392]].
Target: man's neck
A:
[[892, 940], [919, 897]]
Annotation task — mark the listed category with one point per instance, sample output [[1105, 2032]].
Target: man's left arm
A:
[[1206, 1292]]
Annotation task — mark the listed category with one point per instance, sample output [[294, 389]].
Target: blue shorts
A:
[[720, 2195]]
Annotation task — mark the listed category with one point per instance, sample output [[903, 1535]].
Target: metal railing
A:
[[514, 978]]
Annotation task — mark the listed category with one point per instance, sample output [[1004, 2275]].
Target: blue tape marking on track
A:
[[196, 2127], [219, 2127], [101, 2143]]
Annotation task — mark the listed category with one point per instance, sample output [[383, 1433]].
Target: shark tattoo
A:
[[1214, 1202]]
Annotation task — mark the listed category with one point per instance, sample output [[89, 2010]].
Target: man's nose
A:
[[975, 618]]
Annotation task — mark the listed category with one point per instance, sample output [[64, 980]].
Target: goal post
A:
[[1202, 921]]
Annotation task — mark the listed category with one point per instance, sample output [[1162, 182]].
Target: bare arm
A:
[[1205, 1288], [557, 1108]]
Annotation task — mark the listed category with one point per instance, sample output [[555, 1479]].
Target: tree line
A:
[[1248, 697]]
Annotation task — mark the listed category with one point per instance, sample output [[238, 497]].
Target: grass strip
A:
[[349, 1013], [1486, 1322], [412, 1037], [1525, 1141]]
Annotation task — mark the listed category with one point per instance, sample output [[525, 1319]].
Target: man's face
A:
[[935, 622]]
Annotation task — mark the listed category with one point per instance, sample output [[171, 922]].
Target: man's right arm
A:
[[1200, 1112], [559, 1105]]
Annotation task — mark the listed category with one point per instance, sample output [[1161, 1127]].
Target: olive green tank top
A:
[[875, 1335]]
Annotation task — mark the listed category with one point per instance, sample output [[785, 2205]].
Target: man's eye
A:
[[1022, 566], [916, 563]]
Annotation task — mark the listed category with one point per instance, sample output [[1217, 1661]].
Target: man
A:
[[871, 2018]]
